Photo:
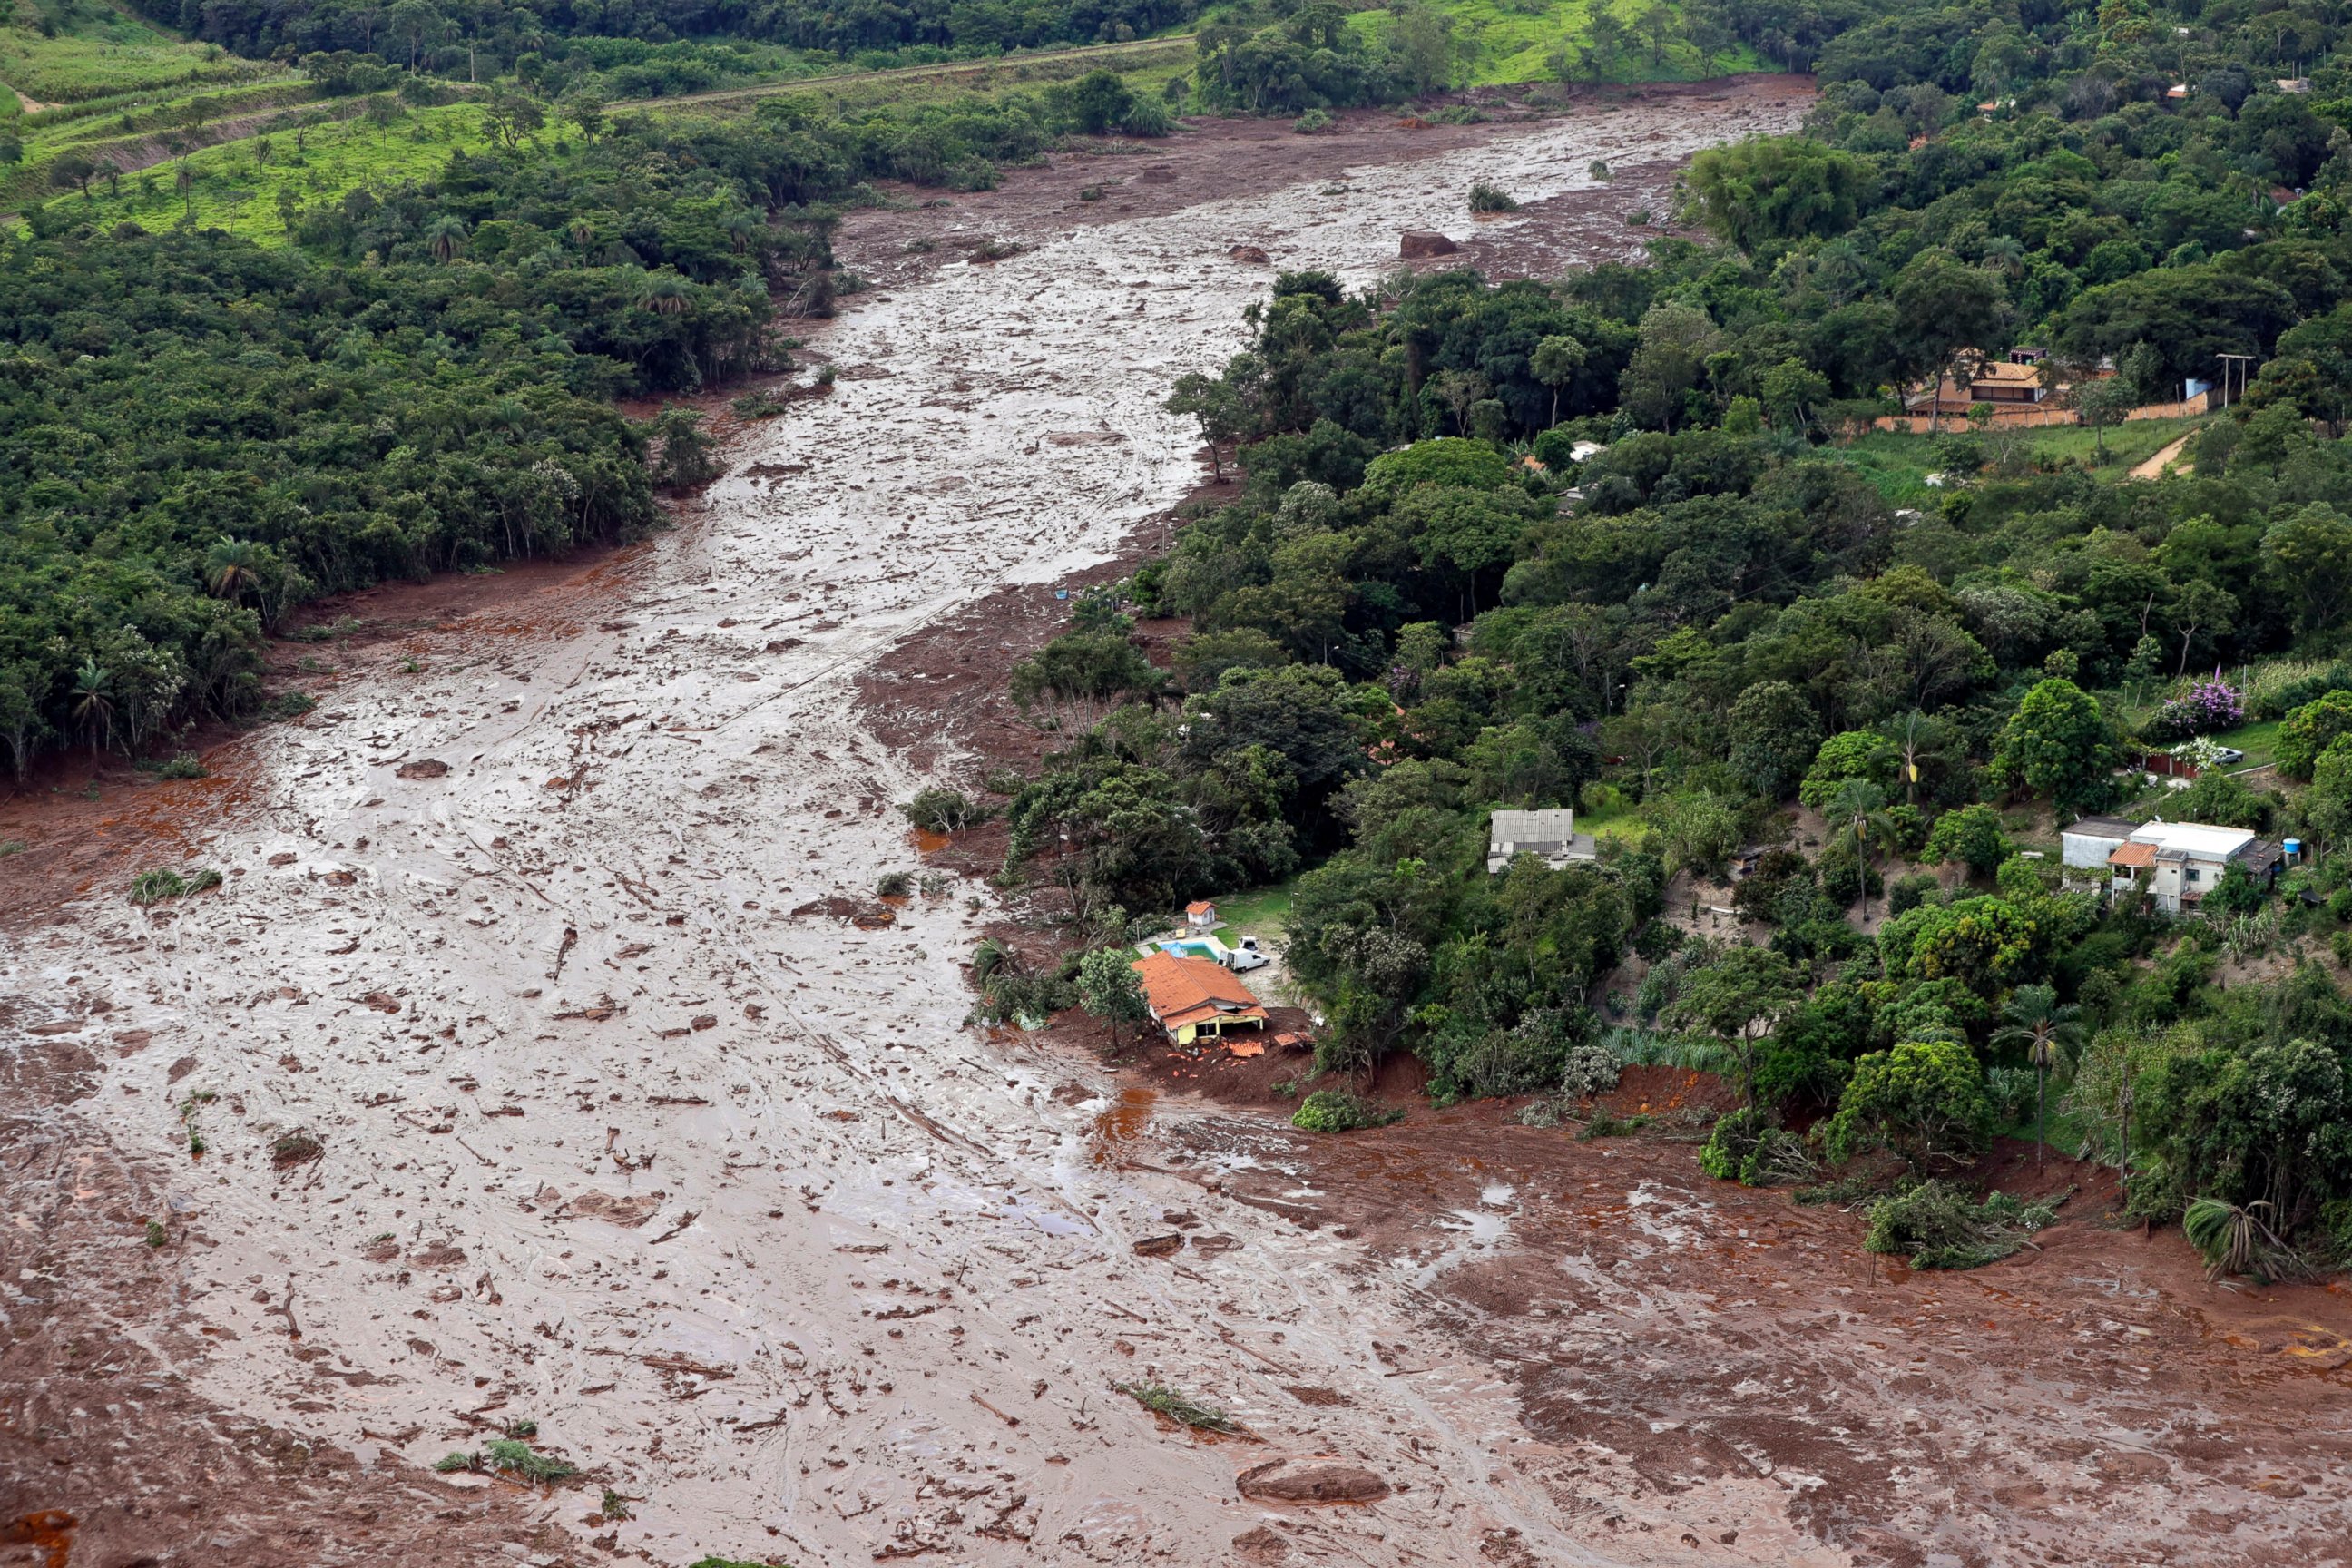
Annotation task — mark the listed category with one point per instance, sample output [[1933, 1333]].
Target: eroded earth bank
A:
[[536, 927]]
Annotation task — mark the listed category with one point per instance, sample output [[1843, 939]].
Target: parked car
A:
[[1248, 955], [2229, 757]]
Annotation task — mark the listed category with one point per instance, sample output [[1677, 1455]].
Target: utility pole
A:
[[2241, 361]]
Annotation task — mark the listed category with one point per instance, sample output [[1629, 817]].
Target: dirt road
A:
[[623, 1132]]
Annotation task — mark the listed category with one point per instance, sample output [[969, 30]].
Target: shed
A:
[[2085, 845], [1200, 916]]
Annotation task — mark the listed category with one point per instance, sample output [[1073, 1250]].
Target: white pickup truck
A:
[[1247, 954]]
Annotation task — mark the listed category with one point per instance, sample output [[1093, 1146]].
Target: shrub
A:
[[1908, 892], [895, 885], [1591, 1068], [1336, 1110], [1487, 198], [758, 404], [1934, 1224], [1657, 940], [2207, 706], [1314, 122], [2309, 730], [184, 766], [942, 810]]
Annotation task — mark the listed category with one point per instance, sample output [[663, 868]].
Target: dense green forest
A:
[[1719, 629], [197, 434]]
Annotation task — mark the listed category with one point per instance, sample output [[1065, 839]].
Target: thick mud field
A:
[[546, 1056]]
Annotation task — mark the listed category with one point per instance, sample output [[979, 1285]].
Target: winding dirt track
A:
[[720, 1194]]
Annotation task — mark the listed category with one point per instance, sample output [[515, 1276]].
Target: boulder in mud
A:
[[1159, 1245], [1319, 1478], [425, 768], [1417, 244], [1250, 254]]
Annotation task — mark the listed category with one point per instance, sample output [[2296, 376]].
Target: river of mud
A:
[[536, 926]]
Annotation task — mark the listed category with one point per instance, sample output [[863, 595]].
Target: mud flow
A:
[[552, 1059]]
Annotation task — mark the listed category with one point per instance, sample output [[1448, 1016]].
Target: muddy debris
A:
[[1261, 1548], [1251, 255], [1159, 1245], [423, 768], [1317, 1480], [299, 1147]]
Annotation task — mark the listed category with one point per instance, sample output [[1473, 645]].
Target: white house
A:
[[2178, 863], [1549, 834], [1201, 917]]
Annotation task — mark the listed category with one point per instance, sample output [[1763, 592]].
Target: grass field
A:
[[1262, 913], [98, 52], [1501, 43], [1145, 64], [237, 186], [1898, 462]]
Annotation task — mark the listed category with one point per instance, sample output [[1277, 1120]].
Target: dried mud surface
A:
[[639, 1116]]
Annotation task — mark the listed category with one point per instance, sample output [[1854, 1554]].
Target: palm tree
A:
[[665, 296], [1916, 736], [2045, 1029], [740, 226], [232, 567], [1860, 807], [444, 236], [93, 708]]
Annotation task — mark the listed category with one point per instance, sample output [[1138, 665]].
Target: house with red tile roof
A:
[[1190, 997]]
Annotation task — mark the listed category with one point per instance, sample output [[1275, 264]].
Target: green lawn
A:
[[1609, 814], [1262, 913], [2259, 741], [1505, 42], [1898, 462]]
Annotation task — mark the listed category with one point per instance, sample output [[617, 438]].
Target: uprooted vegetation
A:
[[509, 1456], [1180, 1407], [1937, 1226]]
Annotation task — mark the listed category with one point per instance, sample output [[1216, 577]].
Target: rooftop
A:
[[1190, 990], [2114, 828], [2194, 838], [1531, 827], [2137, 854]]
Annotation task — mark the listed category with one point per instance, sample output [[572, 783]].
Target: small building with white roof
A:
[[1551, 835]]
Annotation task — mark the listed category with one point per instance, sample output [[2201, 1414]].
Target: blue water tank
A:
[[2295, 847]]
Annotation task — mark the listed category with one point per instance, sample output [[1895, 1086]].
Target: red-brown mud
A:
[[2093, 1399], [107, 1460]]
